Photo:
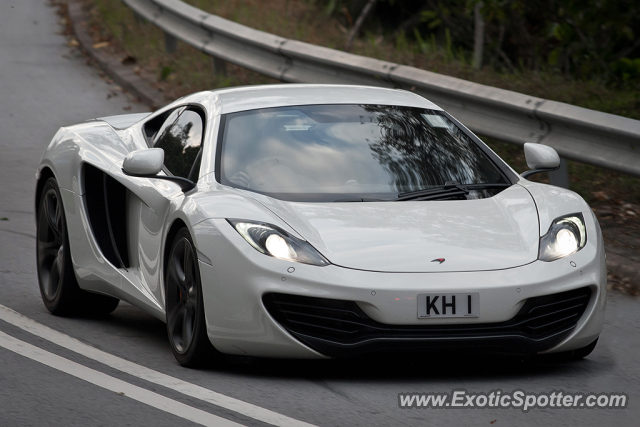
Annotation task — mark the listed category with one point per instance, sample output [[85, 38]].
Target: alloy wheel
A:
[[182, 295], [51, 245]]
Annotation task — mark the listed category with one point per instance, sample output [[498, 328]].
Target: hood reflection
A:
[[486, 234]]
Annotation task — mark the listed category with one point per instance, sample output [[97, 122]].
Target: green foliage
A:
[[331, 6], [586, 39], [448, 43], [422, 45], [401, 41], [165, 72], [627, 69]]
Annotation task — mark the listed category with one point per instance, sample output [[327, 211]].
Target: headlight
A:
[[566, 235], [273, 241]]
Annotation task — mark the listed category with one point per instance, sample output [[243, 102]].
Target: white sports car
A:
[[314, 221]]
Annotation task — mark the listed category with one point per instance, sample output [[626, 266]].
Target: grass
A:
[[185, 71], [188, 70]]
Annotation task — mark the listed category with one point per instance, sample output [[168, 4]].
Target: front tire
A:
[[58, 285], [186, 325]]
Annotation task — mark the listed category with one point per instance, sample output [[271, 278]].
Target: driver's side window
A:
[[181, 139]]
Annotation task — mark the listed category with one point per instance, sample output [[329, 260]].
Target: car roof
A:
[[266, 96]]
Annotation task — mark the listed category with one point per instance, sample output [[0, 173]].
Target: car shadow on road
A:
[[468, 364], [126, 321]]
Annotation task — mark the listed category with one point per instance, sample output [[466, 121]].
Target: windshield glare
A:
[[325, 152]]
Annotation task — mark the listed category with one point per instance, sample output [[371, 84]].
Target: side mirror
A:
[[144, 162], [148, 164], [540, 158]]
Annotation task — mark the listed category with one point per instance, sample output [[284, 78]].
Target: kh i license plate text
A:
[[449, 305]]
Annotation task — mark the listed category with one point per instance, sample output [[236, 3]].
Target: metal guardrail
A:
[[577, 133]]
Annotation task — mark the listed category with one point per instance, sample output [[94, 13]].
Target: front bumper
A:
[[340, 328], [238, 278]]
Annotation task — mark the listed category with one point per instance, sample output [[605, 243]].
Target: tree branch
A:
[[356, 28]]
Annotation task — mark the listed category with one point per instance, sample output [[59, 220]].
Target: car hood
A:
[[470, 235]]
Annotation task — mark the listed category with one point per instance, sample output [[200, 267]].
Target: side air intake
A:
[[106, 201]]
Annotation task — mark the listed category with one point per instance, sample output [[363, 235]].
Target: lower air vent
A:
[[339, 328]]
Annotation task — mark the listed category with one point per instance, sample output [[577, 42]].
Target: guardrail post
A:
[[170, 43], [219, 66], [560, 177]]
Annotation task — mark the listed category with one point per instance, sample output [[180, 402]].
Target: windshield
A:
[[327, 152]]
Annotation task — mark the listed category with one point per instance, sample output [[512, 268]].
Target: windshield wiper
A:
[[432, 193], [360, 199], [484, 186], [449, 189]]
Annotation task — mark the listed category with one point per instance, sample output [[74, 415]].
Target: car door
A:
[[180, 136]]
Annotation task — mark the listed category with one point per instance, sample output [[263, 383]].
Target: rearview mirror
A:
[[540, 158], [148, 164]]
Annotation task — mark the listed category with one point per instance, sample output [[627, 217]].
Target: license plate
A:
[[449, 305]]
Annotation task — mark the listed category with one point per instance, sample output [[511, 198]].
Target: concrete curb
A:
[[122, 74]]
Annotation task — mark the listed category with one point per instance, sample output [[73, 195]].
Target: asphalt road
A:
[[46, 378]]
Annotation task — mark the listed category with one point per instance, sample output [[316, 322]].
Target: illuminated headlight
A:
[[273, 241], [566, 236]]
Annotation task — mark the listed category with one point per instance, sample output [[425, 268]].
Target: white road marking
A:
[[139, 371], [114, 384]]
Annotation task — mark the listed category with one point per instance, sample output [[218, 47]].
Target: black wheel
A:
[[58, 285], [186, 324]]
